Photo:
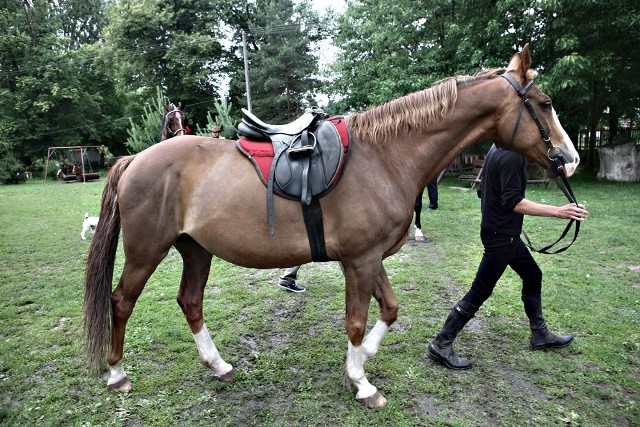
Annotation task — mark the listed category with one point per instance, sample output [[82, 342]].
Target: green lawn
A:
[[288, 349]]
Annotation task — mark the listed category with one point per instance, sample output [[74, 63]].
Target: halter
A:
[[554, 154], [180, 130]]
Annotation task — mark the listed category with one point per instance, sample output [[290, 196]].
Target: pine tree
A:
[[283, 66], [144, 135], [222, 118]]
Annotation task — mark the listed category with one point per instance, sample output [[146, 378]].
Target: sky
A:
[[322, 5]]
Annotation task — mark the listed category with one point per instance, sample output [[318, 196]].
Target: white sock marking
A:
[[209, 353]]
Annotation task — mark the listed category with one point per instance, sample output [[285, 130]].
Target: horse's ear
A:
[[520, 63], [165, 107], [525, 59], [180, 105]]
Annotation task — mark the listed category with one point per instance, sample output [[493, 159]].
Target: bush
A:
[[12, 170]]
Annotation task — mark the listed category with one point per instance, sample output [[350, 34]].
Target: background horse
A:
[[174, 122], [201, 196], [432, 190]]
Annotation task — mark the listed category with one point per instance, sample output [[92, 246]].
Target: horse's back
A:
[[207, 189]]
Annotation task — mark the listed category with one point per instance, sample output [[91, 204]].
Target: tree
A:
[[148, 130], [391, 48], [282, 37], [591, 67], [223, 118], [57, 95], [81, 21], [173, 44]]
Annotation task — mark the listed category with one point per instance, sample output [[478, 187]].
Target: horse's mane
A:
[[412, 111]]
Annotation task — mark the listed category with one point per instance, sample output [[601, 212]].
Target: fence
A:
[[602, 137]]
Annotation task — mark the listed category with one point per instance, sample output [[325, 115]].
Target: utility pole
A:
[[246, 69]]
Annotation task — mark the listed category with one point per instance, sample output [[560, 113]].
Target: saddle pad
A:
[[262, 153]]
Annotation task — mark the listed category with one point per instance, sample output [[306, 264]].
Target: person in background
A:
[[215, 131], [503, 205], [288, 280], [432, 193]]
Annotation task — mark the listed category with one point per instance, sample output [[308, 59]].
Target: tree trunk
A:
[[593, 124]]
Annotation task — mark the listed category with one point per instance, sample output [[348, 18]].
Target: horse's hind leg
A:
[[197, 263], [361, 347], [135, 274]]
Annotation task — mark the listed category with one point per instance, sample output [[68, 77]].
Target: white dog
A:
[[89, 224]]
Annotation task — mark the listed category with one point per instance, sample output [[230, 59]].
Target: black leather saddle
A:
[[305, 158]]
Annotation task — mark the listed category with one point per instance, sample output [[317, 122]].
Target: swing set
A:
[[77, 160]]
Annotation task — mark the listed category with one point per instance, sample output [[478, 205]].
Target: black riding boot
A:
[[441, 348], [541, 337]]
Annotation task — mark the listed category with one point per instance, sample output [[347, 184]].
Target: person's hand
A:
[[573, 211]]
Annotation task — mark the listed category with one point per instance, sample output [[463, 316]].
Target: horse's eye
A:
[[546, 106]]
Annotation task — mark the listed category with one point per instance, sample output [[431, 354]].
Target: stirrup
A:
[[303, 150]]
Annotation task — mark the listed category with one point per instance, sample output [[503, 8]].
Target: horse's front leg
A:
[[222, 371], [361, 284]]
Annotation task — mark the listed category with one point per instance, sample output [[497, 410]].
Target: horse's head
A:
[[174, 123], [530, 124]]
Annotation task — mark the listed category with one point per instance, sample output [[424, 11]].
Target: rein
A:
[[557, 159]]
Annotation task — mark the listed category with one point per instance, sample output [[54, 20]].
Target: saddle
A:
[[300, 160]]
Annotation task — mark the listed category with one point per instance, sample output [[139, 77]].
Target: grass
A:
[[288, 349]]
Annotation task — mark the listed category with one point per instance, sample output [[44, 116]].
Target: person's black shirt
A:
[[504, 180]]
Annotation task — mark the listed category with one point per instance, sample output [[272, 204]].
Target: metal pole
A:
[[246, 69]]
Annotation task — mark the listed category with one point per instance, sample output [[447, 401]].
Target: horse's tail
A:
[[99, 274]]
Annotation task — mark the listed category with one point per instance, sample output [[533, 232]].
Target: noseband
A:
[[178, 132], [554, 154]]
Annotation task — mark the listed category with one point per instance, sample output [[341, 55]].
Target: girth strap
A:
[[312, 213]]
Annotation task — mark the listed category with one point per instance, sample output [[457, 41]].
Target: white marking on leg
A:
[[117, 373], [419, 236], [209, 353], [372, 341], [355, 372], [357, 356]]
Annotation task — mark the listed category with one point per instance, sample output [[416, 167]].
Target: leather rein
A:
[[555, 156]]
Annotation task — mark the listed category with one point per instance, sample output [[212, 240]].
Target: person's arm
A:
[[569, 211]]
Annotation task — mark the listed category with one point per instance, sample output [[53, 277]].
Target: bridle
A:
[[181, 130], [554, 154]]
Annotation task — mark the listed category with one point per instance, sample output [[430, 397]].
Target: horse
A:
[[174, 122], [201, 195], [432, 189]]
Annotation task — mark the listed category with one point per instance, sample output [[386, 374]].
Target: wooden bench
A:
[[474, 176]]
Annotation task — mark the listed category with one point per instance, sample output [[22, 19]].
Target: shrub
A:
[[12, 170]]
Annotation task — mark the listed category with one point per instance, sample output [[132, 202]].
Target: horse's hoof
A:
[[226, 378], [121, 386], [419, 238], [376, 400]]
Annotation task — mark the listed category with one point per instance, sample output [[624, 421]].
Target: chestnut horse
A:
[[200, 195], [174, 122]]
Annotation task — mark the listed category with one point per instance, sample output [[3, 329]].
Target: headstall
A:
[[554, 154]]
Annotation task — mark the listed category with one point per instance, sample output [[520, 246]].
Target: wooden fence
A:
[[603, 137]]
